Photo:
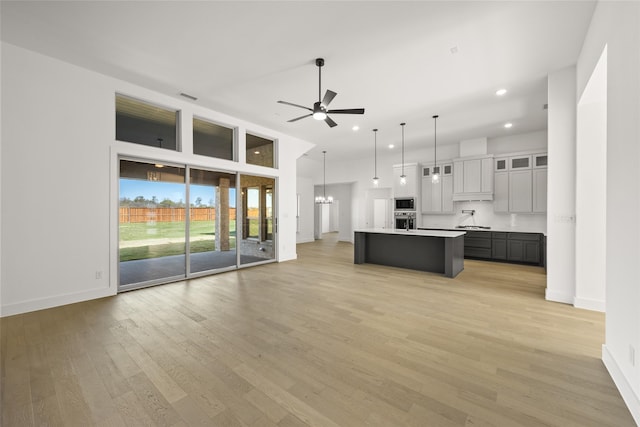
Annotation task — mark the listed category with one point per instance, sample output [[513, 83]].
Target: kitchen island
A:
[[436, 251]]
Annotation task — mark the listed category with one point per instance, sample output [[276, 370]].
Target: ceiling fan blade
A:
[[330, 122], [298, 118], [328, 97], [294, 105], [347, 111]]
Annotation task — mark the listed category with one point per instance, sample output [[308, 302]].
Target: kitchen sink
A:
[[473, 227]]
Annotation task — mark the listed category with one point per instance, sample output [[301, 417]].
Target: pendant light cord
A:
[[402, 124], [324, 175], [435, 144], [375, 153]]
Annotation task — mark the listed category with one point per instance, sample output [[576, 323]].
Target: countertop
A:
[[499, 230], [425, 233]]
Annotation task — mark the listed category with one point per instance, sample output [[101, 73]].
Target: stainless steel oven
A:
[[405, 204], [405, 220]]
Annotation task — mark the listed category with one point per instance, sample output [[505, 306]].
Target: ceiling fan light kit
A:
[[319, 110]]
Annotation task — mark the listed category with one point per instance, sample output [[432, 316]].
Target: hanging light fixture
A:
[[403, 177], [435, 177], [324, 199], [375, 158]]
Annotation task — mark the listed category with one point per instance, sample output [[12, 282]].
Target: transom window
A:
[[146, 124]]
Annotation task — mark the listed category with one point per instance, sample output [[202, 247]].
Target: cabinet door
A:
[[486, 175], [398, 189], [520, 191], [520, 162], [447, 193], [426, 189], [426, 194], [531, 252], [458, 173], [540, 161], [539, 190], [472, 178], [515, 250], [499, 249], [501, 164], [501, 192], [436, 191], [411, 187]]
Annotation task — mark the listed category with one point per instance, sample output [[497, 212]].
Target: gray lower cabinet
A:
[[477, 244], [523, 247], [505, 246], [499, 246]]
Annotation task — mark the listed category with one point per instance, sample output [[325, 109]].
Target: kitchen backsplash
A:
[[484, 216]]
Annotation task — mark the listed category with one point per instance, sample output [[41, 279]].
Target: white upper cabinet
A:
[[437, 197], [520, 191], [473, 178], [520, 183], [539, 190], [412, 186]]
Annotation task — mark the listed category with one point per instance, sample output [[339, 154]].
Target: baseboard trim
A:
[[54, 301], [590, 304], [626, 391], [558, 297]]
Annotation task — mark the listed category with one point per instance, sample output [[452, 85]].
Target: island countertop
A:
[[426, 233]]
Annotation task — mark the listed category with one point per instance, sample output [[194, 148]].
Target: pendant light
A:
[[324, 199], [403, 177], [435, 177], [375, 158]]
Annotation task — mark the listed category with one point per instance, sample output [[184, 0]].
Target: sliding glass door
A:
[[212, 220], [258, 224], [152, 222], [177, 221]]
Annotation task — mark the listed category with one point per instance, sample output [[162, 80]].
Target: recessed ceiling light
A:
[[391, 146], [355, 128], [256, 152], [501, 92], [508, 125]]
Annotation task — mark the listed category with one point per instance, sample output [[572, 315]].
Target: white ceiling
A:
[[392, 58]]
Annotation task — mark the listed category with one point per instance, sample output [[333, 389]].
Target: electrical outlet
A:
[[98, 275], [632, 355]]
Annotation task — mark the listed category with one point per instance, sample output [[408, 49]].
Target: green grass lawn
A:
[[144, 231]]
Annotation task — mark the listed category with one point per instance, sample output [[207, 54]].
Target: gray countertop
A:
[[426, 233], [482, 229]]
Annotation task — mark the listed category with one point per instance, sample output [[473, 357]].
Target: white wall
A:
[[59, 178], [617, 25], [304, 187], [591, 191], [561, 283]]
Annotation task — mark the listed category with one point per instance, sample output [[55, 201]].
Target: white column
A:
[[561, 283]]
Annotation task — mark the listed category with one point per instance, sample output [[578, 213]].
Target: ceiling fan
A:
[[319, 110]]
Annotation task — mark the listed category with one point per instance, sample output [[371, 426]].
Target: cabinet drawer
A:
[[478, 234], [477, 252], [477, 242], [523, 236], [498, 235]]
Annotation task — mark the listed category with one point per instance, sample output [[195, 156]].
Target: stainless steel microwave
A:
[[405, 204]]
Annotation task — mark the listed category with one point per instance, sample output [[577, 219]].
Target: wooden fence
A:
[[132, 215]]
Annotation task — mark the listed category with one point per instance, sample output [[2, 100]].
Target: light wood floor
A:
[[318, 341]]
